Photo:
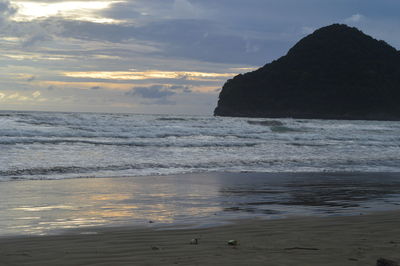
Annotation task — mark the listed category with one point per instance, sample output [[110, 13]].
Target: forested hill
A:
[[337, 72]]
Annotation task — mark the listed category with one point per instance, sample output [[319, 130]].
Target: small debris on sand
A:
[[233, 242], [194, 241], [386, 262]]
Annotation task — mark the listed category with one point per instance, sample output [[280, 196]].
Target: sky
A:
[[157, 56]]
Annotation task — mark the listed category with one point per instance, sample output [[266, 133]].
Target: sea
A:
[[41, 145], [62, 171]]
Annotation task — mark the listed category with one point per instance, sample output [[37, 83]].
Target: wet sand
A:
[[208, 199], [346, 240]]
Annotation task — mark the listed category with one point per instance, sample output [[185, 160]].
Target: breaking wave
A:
[[40, 145]]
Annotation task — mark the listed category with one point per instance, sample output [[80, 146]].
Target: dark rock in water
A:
[[337, 72], [385, 262], [268, 123]]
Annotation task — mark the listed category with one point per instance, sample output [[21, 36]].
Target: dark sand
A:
[[347, 240]]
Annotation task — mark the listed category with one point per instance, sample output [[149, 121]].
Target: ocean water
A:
[[41, 145]]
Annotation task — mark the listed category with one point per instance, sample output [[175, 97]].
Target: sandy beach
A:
[[279, 219], [350, 240]]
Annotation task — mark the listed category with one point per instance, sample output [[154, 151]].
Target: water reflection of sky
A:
[[45, 207]]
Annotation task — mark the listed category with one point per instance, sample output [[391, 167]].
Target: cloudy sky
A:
[[156, 56]]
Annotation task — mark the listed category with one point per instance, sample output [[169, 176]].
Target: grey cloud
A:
[[122, 10], [183, 88], [182, 38], [154, 95], [6, 10], [95, 31], [34, 32], [142, 11], [152, 92], [35, 39], [96, 88]]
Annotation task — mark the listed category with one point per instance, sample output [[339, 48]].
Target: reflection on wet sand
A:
[[47, 207], [68, 204], [42, 208]]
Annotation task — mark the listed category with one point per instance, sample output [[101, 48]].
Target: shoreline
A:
[[344, 240], [225, 173]]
